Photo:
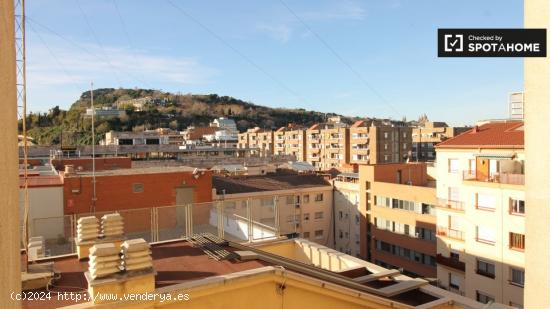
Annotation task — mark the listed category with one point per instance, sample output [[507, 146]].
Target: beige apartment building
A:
[[280, 204], [347, 217], [480, 219], [398, 205], [425, 137], [333, 145], [257, 138]]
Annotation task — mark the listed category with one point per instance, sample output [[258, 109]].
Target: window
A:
[[306, 234], [319, 197], [319, 234], [517, 206], [453, 165], [290, 199], [340, 214], [454, 281], [485, 269], [517, 276], [306, 198], [517, 241], [485, 201], [306, 216], [137, 187], [319, 215], [454, 194], [404, 145], [483, 298], [485, 234]]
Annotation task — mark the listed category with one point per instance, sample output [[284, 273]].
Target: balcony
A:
[[450, 262], [502, 177], [450, 233], [450, 204]]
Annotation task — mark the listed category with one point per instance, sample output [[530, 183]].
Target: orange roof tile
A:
[[358, 123], [507, 134]]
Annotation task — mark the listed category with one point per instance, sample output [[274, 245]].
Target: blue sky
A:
[[260, 52]]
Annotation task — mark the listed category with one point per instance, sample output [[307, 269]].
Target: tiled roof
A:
[[358, 123], [505, 134]]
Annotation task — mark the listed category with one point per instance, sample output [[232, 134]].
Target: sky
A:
[[356, 58]]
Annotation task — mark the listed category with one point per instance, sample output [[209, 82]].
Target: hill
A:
[[150, 109]]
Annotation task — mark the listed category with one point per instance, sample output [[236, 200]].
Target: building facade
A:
[[480, 216], [333, 145], [347, 217], [425, 137], [284, 204], [398, 203]]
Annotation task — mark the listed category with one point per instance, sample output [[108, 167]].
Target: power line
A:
[[130, 42], [98, 42], [344, 62], [235, 50], [62, 67]]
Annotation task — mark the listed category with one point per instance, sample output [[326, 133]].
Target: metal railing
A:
[[502, 177], [450, 262], [450, 233], [450, 204], [239, 220]]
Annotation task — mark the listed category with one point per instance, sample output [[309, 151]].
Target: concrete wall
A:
[[537, 113], [347, 217], [85, 164], [44, 203], [9, 182]]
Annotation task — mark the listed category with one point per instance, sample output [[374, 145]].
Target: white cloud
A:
[[283, 29], [91, 62]]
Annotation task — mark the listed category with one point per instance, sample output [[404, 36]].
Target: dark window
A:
[[485, 269]]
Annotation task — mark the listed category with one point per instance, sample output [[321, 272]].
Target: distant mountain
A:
[[150, 109]]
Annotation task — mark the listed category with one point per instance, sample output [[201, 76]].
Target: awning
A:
[[496, 156]]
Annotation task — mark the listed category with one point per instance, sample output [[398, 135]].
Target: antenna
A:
[[21, 71], [94, 197]]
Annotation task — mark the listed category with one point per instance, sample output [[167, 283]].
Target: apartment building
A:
[[285, 204], [425, 137], [398, 204], [334, 144], [480, 219], [295, 143], [258, 138], [313, 146], [347, 217], [376, 144]]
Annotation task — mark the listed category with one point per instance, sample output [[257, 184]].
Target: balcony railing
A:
[[239, 220], [450, 262], [450, 204], [503, 177], [450, 233]]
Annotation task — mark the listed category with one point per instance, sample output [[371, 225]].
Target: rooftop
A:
[[183, 266], [503, 134], [135, 171], [245, 184]]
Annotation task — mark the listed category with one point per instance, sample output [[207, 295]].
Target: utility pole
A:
[[94, 198]]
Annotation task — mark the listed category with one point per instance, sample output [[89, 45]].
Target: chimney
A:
[[69, 169], [476, 129]]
